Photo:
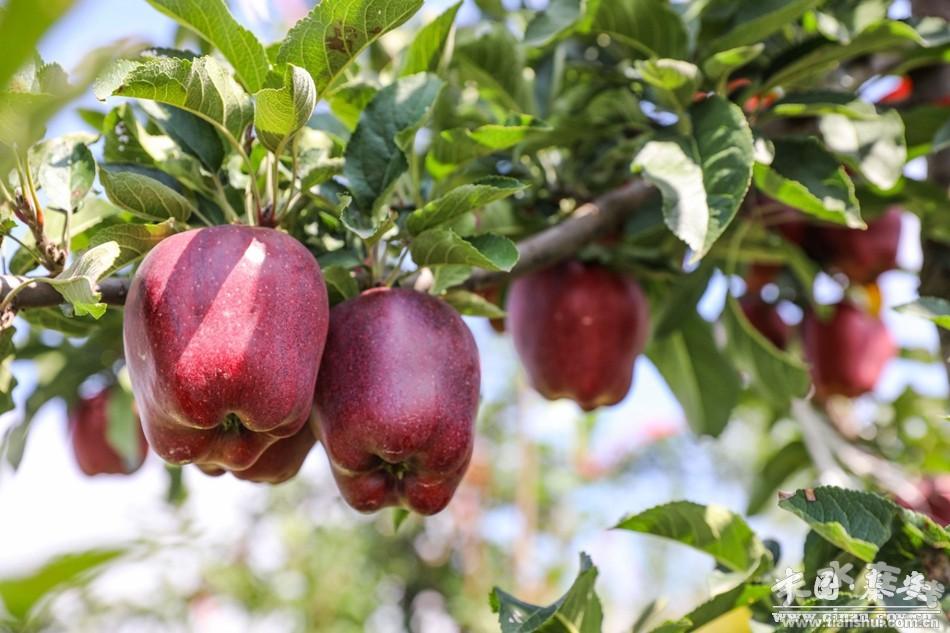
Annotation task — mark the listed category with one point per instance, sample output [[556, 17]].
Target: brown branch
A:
[[589, 222]]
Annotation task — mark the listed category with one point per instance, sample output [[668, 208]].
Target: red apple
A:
[[862, 255], [847, 352], [282, 460], [397, 398], [766, 319], [578, 329], [224, 330], [89, 429]]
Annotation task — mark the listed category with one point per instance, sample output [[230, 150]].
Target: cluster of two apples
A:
[[847, 352], [239, 365]]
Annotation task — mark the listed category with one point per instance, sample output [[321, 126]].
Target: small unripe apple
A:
[[847, 352], [862, 255], [578, 329], [89, 433], [397, 398], [766, 319], [224, 330]]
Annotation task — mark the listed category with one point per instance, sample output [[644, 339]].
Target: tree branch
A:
[[589, 222]]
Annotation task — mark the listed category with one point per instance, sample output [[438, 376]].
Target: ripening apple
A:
[[766, 319], [578, 329], [89, 434], [224, 330], [847, 352], [862, 255], [396, 400]]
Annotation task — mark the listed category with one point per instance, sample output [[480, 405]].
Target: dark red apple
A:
[[578, 329], [847, 352], [89, 432], [766, 319], [932, 498], [862, 255], [224, 331], [397, 398]]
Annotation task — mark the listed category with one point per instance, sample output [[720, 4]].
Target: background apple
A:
[[89, 433]]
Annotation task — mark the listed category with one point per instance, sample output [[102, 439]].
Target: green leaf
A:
[[146, 197], [781, 465], [857, 522], [754, 30], [841, 21], [677, 301], [282, 112], [55, 319], [883, 35], [875, 145], [712, 529], [22, 24], [65, 169], [820, 102], [335, 32], [7, 379], [133, 240], [461, 200], [77, 283], [577, 611], [444, 277], [934, 309], [455, 147], [492, 59], [719, 66], [349, 101], [699, 375], [650, 27], [779, 375], [675, 80], [437, 247], [703, 178], [376, 154], [211, 20], [122, 431], [193, 134], [20, 594], [805, 176], [340, 284], [427, 48], [557, 18], [744, 595], [473, 304], [202, 86]]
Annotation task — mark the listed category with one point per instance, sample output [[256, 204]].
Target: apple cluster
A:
[[848, 348]]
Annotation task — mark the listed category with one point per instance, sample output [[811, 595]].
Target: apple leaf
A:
[[335, 32], [756, 29], [144, 196], [340, 284], [461, 200], [703, 380], [650, 27], [22, 24], [211, 20], [134, 240], [718, 67], [7, 379], [20, 594], [192, 133], [472, 304], [77, 283], [426, 51], [675, 80], [349, 101], [712, 529], [376, 154], [557, 18], [282, 112], [202, 86], [934, 309], [804, 175], [65, 169], [578, 611], [722, 606], [857, 522], [492, 59], [874, 145], [455, 147], [704, 177], [813, 103], [438, 247], [122, 430], [781, 465], [444, 277], [780, 376]]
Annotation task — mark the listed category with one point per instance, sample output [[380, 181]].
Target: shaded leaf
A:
[[427, 48], [472, 304], [461, 200], [282, 112], [650, 27], [933, 309], [146, 197], [65, 169], [134, 240], [874, 145], [437, 247]]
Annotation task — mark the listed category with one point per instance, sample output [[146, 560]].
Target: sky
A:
[[47, 507]]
